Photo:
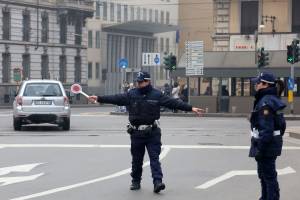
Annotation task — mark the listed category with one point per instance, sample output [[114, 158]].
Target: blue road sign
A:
[[156, 59], [291, 84], [123, 63]]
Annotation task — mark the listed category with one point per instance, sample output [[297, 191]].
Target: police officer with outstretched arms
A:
[[267, 128], [144, 104]]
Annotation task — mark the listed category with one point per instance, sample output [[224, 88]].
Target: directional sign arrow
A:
[[228, 175], [18, 168]]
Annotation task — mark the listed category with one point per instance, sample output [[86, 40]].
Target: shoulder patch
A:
[[266, 112]]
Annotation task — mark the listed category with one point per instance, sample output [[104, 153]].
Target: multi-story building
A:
[[44, 39], [126, 29], [231, 40]]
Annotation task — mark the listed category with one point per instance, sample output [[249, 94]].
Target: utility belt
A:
[[142, 129], [255, 133]]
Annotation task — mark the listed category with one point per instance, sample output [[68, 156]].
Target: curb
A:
[[294, 135], [229, 115]]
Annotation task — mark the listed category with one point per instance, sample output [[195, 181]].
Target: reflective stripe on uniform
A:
[[255, 133]]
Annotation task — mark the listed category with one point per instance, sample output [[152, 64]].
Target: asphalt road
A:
[[202, 158]]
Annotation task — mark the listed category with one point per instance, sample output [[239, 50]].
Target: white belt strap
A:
[[255, 133]]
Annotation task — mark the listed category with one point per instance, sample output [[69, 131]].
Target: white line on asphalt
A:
[[18, 179], [115, 175], [228, 175], [128, 146], [18, 168]]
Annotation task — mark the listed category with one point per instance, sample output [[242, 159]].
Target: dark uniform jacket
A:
[[267, 120], [144, 104]]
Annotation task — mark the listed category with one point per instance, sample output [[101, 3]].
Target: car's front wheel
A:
[[66, 124], [17, 124]]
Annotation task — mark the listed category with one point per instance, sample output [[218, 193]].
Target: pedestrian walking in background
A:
[[267, 128], [175, 93], [144, 112]]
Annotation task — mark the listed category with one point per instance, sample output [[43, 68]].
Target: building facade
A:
[[230, 51], [126, 29], [43, 39]]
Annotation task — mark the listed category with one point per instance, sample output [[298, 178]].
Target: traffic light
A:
[[293, 52], [262, 58], [167, 61], [290, 56], [173, 63], [296, 49]]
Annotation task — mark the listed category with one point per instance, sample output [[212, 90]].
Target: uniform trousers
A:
[[266, 169], [151, 142]]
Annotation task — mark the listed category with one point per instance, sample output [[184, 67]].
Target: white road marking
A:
[[117, 174], [128, 146], [228, 175], [18, 168], [18, 179]]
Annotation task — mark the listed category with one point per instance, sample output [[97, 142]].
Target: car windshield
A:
[[42, 89]]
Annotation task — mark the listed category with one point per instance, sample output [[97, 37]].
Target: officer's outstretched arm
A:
[[117, 99], [172, 103]]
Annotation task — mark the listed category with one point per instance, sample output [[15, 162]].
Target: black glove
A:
[[258, 155]]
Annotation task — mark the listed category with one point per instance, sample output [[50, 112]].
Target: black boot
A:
[[135, 186], [158, 187]]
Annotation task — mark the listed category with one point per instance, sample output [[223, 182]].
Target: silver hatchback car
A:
[[41, 101]]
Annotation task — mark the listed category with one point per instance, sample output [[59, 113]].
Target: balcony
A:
[[83, 5]]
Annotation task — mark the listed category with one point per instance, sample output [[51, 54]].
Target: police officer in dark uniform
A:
[[267, 128], [143, 105]]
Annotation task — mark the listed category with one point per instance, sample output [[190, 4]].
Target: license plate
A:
[[39, 102]]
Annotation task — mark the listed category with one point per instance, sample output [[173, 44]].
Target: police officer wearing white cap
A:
[[267, 128], [144, 104]]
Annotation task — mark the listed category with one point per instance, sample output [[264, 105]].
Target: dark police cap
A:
[[266, 77], [143, 76]]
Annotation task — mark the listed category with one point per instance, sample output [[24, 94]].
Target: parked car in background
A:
[[41, 101]]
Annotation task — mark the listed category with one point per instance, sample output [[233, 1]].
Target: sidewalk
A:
[[229, 115]]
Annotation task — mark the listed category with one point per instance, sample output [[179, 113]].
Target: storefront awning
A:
[[238, 64], [141, 26]]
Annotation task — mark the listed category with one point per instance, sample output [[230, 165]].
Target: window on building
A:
[[26, 25], [97, 39], [167, 45], [144, 14], [78, 30], [45, 27], [77, 69], [161, 44], [112, 12], [6, 23], [150, 15], [156, 16], [119, 12], [125, 13], [6, 67], [162, 17], [90, 39], [104, 73], [97, 70], [249, 17], [90, 70], [104, 10], [97, 12], [63, 68], [295, 16], [131, 13], [138, 13], [26, 66], [63, 28], [45, 67], [167, 17]]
